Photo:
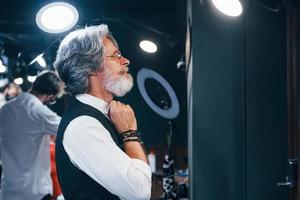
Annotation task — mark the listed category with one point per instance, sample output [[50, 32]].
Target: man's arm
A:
[[124, 119], [92, 149], [50, 121]]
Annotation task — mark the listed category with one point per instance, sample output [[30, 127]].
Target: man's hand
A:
[[122, 116]]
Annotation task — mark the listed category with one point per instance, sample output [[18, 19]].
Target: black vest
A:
[[76, 184]]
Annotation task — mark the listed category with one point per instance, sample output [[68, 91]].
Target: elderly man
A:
[[99, 154], [26, 126]]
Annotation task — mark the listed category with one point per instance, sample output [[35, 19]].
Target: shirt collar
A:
[[25, 96], [93, 101]]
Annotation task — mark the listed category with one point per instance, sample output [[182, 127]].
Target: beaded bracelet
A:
[[130, 136]]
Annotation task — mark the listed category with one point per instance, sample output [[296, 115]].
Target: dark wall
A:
[[266, 103], [218, 107], [238, 134]]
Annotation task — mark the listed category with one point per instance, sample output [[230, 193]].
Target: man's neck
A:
[[40, 97], [97, 90], [33, 93], [102, 94]]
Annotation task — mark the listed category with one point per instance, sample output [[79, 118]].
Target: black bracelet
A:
[[136, 139], [130, 133], [130, 136]]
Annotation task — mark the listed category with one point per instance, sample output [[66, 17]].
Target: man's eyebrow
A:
[[117, 51]]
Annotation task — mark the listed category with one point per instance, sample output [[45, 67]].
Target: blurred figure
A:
[[26, 126], [8, 92]]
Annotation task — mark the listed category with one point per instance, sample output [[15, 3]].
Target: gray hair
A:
[[79, 54]]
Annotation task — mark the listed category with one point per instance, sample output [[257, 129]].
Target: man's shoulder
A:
[[9, 104], [33, 106]]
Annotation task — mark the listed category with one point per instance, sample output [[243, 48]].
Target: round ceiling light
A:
[[148, 46], [18, 81], [3, 68], [57, 17], [231, 8], [31, 78]]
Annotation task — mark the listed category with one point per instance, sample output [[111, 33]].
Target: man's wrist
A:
[[130, 136]]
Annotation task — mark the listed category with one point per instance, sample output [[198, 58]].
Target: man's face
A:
[[11, 92], [117, 80]]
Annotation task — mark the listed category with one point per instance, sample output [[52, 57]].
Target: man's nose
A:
[[124, 61]]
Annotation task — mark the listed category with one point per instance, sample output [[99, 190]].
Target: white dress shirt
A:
[[24, 135], [91, 148]]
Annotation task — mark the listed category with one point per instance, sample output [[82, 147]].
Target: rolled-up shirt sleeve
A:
[[91, 148]]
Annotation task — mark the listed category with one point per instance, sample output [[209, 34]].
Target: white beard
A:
[[118, 87]]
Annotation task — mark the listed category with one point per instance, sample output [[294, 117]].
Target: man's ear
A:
[[48, 97]]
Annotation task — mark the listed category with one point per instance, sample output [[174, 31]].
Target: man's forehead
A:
[[109, 45], [107, 40]]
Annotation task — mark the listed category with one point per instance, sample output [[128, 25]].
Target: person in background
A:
[[26, 126], [99, 154], [8, 92], [3, 84]]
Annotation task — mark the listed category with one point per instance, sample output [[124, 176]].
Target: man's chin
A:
[[121, 93], [127, 76], [121, 87]]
